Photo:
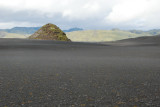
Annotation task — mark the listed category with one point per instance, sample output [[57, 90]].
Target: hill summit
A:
[[50, 32]]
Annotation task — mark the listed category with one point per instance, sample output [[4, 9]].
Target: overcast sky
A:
[[87, 14]]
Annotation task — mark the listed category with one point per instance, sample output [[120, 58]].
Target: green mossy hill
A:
[[50, 32]]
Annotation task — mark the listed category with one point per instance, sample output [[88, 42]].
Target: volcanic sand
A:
[[41, 73]]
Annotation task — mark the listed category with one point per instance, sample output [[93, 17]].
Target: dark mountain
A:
[[50, 32]]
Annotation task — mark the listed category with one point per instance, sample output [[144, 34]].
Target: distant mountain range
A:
[[78, 34], [73, 29], [21, 30], [152, 32], [31, 30]]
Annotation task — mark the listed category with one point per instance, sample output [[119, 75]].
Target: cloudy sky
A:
[[87, 14]]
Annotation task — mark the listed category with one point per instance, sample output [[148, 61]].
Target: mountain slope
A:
[[102, 35], [144, 39], [139, 41]]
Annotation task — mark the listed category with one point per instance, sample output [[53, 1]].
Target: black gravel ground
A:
[[36, 73]]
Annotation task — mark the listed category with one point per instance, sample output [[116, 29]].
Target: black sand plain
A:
[[37, 73]]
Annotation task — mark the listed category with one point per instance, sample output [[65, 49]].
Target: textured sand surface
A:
[[60, 74]]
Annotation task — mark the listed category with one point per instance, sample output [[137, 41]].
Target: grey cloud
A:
[[88, 14]]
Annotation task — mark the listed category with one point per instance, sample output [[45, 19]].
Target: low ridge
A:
[[50, 32]]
